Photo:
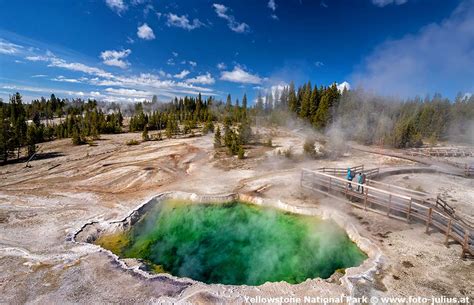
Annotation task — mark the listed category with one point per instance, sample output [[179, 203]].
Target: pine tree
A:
[[169, 128], [292, 100], [76, 137], [18, 119], [314, 102], [329, 100], [244, 106], [306, 101], [228, 134], [217, 138], [228, 104], [245, 132], [31, 139], [145, 136], [5, 133]]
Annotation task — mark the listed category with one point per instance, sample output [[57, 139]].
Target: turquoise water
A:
[[236, 243]]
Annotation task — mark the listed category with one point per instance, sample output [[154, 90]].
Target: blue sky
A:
[[128, 50]]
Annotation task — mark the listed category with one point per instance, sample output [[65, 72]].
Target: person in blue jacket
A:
[[349, 177]]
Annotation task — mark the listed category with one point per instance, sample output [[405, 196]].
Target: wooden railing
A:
[[393, 204], [441, 152], [371, 172], [340, 171]]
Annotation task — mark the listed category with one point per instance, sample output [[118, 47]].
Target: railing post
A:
[[347, 189], [329, 189], [428, 221], [365, 199], [448, 231]]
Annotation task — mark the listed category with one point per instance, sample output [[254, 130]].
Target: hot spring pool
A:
[[235, 243]]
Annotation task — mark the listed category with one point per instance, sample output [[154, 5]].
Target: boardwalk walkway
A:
[[396, 202]]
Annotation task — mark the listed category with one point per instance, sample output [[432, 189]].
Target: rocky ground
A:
[[41, 206]]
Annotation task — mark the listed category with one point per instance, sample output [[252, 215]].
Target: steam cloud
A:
[[437, 58]]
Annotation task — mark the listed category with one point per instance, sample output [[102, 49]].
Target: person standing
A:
[[361, 180], [349, 177]]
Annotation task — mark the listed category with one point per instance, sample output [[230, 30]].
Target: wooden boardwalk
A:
[[396, 202], [440, 152], [442, 166]]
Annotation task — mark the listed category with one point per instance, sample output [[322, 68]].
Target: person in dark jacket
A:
[[361, 181]]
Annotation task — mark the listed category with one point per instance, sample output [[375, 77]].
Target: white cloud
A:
[[47, 91], [54, 61], [438, 58], [205, 79], [148, 8], [66, 80], [144, 82], [116, 58], [183, 22], [79, 67], [272, 5], [238, 75], [139, 2], [37, 58], [117, 6], [39, 75], [145, 32], [164, 74], [182, 74], [222, 11], [343, 85], [170, 62], [221, 66], [192, 63], [129, 92], [9, 48], [319, 64], [175, 54], [96, 94], [382, 3]]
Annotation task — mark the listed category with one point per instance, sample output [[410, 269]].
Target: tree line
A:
[[23, 125], [371, 119], [366, 118]]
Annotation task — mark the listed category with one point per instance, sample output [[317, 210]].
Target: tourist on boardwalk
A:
[[350, 176], [361, 180]]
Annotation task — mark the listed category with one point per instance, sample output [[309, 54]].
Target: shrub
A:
[[288, 153], [308, 148], [241, 153]]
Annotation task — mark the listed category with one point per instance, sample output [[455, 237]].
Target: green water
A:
[[236, 243]]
